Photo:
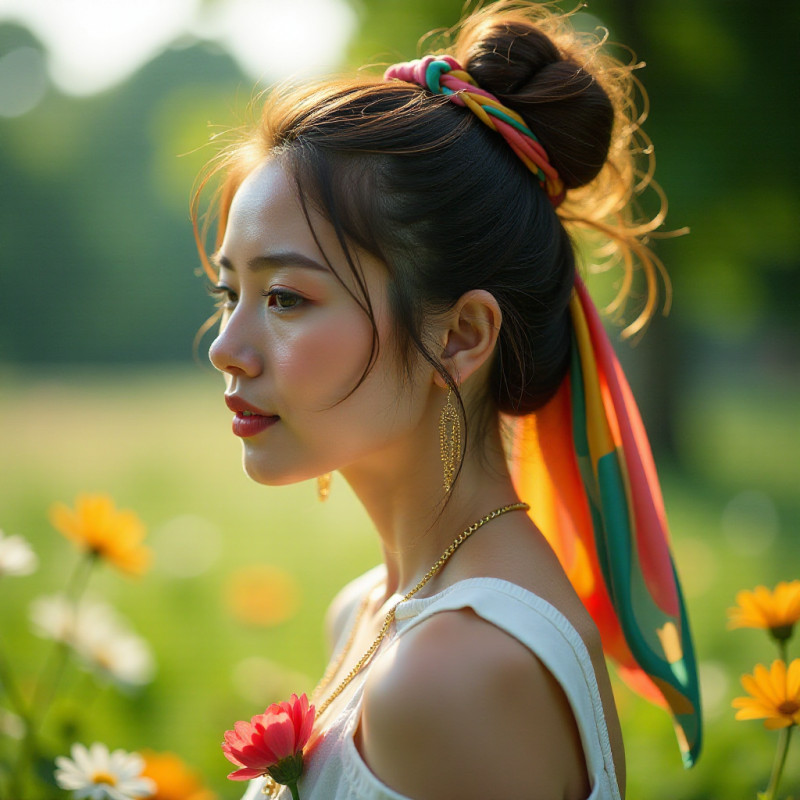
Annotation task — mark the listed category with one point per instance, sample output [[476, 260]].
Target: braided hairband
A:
[[598, 502], [444, 75]]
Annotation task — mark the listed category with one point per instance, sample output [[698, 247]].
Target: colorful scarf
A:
[[599, 504]]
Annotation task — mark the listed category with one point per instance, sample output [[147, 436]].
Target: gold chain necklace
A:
[[389, 619]]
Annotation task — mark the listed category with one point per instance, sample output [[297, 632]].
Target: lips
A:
[[248, 420]]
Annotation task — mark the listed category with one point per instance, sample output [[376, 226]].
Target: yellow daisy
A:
[[776, 611], [95, 525], [775, 695]]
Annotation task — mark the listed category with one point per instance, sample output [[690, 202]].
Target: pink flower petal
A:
[[297, 708], [261, 755], [231, 756], [306, 728], [281, 737], [241, 734], [293, 710], [249, 756], [245, 774]]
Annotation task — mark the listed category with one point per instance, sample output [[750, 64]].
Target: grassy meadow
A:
[[157, 439]]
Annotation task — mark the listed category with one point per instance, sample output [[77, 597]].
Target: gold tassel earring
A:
[[449, 440], [323, 486]]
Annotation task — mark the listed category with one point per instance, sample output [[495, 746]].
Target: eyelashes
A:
[[283, 299], [277, 298], [224, 296]]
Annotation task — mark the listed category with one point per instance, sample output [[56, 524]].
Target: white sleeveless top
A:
[[335, 769]]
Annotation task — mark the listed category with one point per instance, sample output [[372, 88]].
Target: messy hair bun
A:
[[446, 204], [569, 110]]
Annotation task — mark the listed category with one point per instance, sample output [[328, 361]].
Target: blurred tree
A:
[[97, 243]]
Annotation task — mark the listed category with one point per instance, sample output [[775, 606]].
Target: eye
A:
[[282, 299], [224, 295]]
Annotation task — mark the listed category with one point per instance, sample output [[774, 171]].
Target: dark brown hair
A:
[[443, 201]]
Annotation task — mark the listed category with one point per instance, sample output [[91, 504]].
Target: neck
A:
[[415, 519]]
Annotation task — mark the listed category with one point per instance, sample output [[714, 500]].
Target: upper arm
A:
[[458, 708]]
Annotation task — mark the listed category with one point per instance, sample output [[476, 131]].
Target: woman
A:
[[399, 303]]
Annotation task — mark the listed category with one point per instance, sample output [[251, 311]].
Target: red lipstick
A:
[[248, 420]]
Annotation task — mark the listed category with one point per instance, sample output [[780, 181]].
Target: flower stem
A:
[[50, 677], [780, 761], [293, 789], [9, 686], [53, 670], [782, 649]]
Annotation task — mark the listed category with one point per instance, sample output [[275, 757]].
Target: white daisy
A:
[[99, 637], [16, 556], [105, 644], [97, 774], [53, 617]]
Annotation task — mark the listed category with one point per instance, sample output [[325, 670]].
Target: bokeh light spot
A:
[[262, 595], [23, 81]]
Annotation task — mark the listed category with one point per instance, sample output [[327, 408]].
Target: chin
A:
[[269, 474]]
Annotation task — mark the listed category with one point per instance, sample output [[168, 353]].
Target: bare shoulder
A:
[[458, 708]]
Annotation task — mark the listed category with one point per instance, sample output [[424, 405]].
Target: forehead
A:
[[266, 203], [266, 217]]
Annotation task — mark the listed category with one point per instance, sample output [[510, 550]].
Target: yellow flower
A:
[[173, 779], [776, 611], [98, 527], [775, 695]]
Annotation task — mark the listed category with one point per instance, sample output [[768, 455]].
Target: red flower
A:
[[271, 743]]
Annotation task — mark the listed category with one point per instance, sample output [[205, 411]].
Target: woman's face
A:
[[293, 342]]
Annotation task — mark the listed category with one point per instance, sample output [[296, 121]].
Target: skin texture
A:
[[456, 708]]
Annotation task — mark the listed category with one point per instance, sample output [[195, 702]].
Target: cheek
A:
[[323, 362]]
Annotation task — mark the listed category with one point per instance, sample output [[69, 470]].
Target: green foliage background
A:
[[98, 391]]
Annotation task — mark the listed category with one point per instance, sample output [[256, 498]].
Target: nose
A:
[[232, 352]]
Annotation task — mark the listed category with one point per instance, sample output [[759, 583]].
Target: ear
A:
[[468, 334]]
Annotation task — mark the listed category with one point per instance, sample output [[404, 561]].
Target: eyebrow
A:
[[271, 261]]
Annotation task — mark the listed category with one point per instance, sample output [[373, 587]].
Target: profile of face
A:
[[293, 342]]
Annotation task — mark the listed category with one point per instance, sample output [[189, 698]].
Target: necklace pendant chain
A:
[[389, 619]]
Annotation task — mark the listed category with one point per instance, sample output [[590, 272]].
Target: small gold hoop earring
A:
[[449, 440], [323, 486]]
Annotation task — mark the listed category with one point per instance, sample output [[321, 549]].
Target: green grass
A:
[[158, 441]]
